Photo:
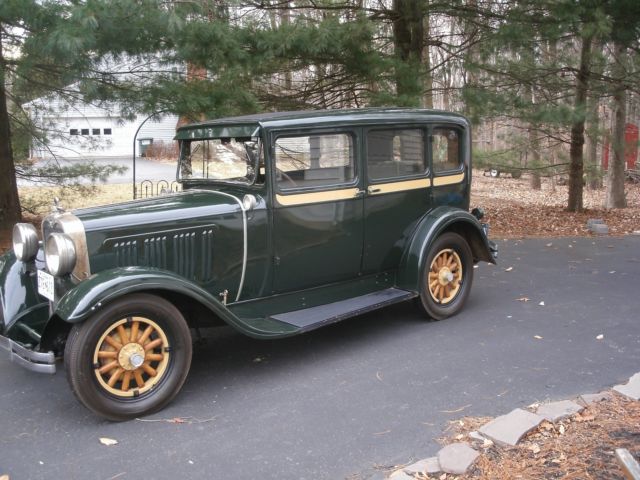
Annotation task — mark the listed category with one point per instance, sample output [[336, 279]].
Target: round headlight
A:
[[60, 254], [25, 241]]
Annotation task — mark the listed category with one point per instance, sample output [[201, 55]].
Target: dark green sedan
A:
[[287, 222]]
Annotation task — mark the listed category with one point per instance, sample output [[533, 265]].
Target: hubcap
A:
[[445, 276], [131, 357]]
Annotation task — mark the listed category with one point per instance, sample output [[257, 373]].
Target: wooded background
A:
[[548, 84]]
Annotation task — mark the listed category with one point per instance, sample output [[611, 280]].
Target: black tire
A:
[[456, 286], [166, 350], [494, 173], [516, 173]]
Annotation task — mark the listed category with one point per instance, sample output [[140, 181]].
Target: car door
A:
[[318, 208], [398, 192]]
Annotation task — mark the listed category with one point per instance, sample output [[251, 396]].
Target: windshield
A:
[[221, 159]]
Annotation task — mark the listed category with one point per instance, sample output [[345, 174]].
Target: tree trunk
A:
[[408, 40], [576, 156], [10, 212], [615, 178], [427, 93]]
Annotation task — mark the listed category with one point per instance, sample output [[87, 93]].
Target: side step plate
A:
[[314, 317]]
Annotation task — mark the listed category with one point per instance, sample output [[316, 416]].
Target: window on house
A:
[[85, 131], [73, 131], [106, 131], [95, 131]]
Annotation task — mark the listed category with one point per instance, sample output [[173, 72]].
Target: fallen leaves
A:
[[108, 441], [523, 299], [600, 337], [509, 269], [514, 210], [538, 337]]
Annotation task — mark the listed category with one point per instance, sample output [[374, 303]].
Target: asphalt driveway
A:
[[373, 390]]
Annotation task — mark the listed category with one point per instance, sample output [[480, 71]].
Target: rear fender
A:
[[436, 222]]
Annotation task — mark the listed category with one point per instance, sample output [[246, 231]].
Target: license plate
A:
[[45, 285]]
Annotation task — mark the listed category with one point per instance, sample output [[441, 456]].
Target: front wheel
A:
[[446, 277], [494, 172], [129, 359]]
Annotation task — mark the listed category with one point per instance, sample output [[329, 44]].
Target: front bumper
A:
[[35, 361]]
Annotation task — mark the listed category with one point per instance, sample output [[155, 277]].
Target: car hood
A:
[[174, 209]]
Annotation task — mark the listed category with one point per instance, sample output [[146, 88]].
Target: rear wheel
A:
[[494, 172], [129, 359], [447, 276]]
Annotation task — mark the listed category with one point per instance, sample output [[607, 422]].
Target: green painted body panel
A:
[[97, 291], [297, 255], [24, 313], [433, 224]]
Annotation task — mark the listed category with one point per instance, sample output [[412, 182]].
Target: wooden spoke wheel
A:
[[131, 356], [447, 276], [129, 359]]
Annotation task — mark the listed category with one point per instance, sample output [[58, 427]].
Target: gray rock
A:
[[558, 410], [599, 229], [594, 221], [589, 398], [456, 458], [476, 436], [400, 475], [631, 389], [510, 428], [427, 465]]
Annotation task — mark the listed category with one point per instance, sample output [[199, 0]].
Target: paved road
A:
[[373, 390], [145, 169]]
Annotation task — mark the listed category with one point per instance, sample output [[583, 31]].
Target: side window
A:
[[395, 153], [445, 149], [314, 160]]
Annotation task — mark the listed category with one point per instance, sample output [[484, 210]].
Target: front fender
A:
[[434, 223], [23, 312], [100, 289]]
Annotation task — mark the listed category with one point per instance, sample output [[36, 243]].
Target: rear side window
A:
[[314, 160], [395, 153], [445, 149]]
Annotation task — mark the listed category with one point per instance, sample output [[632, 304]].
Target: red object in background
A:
[[630, 149]]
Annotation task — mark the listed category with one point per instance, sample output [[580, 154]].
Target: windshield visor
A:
[[219, 159]]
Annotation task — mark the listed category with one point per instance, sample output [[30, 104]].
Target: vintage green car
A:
[[287, 222]]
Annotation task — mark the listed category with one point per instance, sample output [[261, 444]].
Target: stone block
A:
[[510, 428], [456, 458], [427, 465], [631, 389], [558, 410], [589, 398], [400, 475]]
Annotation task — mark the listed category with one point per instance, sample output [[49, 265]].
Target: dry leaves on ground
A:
[[514, 210], [581, 447]]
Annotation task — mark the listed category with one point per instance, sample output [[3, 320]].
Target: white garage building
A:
[[88, 131]]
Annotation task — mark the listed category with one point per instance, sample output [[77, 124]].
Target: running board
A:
[[315, 317]]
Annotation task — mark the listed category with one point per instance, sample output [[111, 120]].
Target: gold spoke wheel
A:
[[445, 276], [131, 356]]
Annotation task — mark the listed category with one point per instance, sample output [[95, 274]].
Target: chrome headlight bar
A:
[[25, 241], [60, 254]]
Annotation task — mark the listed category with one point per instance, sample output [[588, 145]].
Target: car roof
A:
[[248, 125]]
